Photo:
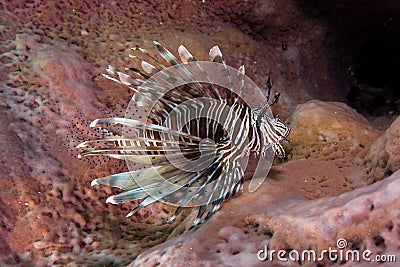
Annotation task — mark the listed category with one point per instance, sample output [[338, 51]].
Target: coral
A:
[[383, 157], [120, 26], [284, 220], [329, 130], [59, 216]]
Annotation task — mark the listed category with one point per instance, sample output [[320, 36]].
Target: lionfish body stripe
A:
[[196, 135]]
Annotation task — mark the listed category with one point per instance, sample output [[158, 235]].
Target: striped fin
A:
[[149, 91], [216, 56], [122, 78], [168, 56], [166, 79], [200, 213], [120, 180], [163, 159], [153, 193], [187, 76], [189, 196], [147, 201], [155, 88], [202, 192], [227, 189], [143, 141], [241, 75], [203, 208], [134, 179], [175, 156], [143, 126], [158, 91], [147, 67], [186, 57], [197, 196], [145, 52], [139, 73], [215, 206], [206, 194], [110, 151]]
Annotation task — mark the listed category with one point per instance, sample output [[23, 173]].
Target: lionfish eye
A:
[[224, 139], [189, 141]]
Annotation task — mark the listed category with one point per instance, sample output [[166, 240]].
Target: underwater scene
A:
[[200, 133]]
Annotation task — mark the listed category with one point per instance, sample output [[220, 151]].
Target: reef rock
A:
[[329, 130], [383, 157], [279, 216]]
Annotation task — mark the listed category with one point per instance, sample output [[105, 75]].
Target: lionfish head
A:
[[281, 128], [273, 130]]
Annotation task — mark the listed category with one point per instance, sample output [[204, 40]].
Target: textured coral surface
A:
[[367, 218], [383, 158], [339, 180]]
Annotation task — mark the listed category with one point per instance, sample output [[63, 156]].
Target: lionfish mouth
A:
[[186, 134]]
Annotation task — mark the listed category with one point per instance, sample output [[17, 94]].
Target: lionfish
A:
[[189, 148]]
